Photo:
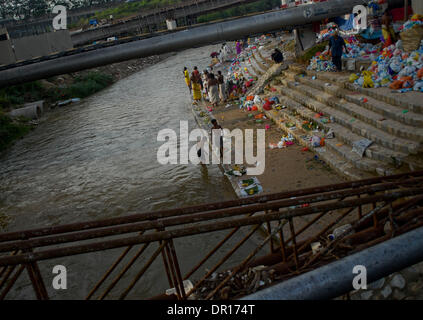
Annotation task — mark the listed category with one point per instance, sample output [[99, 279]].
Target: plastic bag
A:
[[315, 141], [368, 82], [418, 86], [407, 82], [353, 77], [257, 100], [395, 66], [396, 85]]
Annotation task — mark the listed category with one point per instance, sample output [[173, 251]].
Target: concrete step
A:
[[386, 110], [356, 112], [259, 63], [263, 54], [346, 136], [355, 125], [386, 96], [253, 67], [296, 114], [332, 158], [382, 94], [342, 150], [251, 71]]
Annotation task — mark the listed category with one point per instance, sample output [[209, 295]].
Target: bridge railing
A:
[[290, 224]]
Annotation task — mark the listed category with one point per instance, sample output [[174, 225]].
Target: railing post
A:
[[294, 242], [37, 281]]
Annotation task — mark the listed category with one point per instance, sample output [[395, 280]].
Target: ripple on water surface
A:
[[97, 159]]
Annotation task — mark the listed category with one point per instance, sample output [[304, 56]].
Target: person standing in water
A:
[[187, 78], [217, 135]]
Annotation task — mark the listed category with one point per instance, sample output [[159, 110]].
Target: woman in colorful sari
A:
[[187, 79], [196, 84], [213, 88], [238, 48], [388, 32]]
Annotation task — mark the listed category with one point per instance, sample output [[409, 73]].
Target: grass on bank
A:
[[82, 87], [14, 96], [310, 53], [11, 130]]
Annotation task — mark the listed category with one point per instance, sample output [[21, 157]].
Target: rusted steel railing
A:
[[293, 221]]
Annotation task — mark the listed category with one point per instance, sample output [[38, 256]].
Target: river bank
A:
[[59, 91], [288, 168], [285, 169], [97, 159]]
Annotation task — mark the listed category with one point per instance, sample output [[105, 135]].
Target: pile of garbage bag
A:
[[322, 60], [394, 68]]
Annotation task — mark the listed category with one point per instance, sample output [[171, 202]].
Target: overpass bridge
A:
[[286, 226], [43, 24], [92, 56], [185, 14]]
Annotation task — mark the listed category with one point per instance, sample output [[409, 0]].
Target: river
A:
[[97, 159]]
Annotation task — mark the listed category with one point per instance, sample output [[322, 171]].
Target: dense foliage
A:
[[10, 130]]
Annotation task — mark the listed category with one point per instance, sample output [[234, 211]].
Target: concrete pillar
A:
[[7, 55], [305, 38], [417, 6]]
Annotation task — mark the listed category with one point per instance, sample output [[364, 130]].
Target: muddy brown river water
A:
[[96, 160]]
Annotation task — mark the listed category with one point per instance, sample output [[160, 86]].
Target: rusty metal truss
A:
[[288, 223]]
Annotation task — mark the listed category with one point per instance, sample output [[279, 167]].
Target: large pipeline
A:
[[336, 279], [199, 36]]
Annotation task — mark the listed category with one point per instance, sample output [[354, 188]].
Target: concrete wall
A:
[[305, 38], [41, 45], [417, 6], [6, 52]]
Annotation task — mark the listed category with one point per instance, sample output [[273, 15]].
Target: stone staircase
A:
[[395, 127]]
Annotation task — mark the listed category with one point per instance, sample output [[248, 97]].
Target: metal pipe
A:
[[203, 35], [335, 279]]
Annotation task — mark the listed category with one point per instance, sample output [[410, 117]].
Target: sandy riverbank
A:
[[286, 169]]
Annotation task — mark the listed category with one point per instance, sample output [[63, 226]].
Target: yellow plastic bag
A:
[[353, 77], [367, 73], [368, 82]]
